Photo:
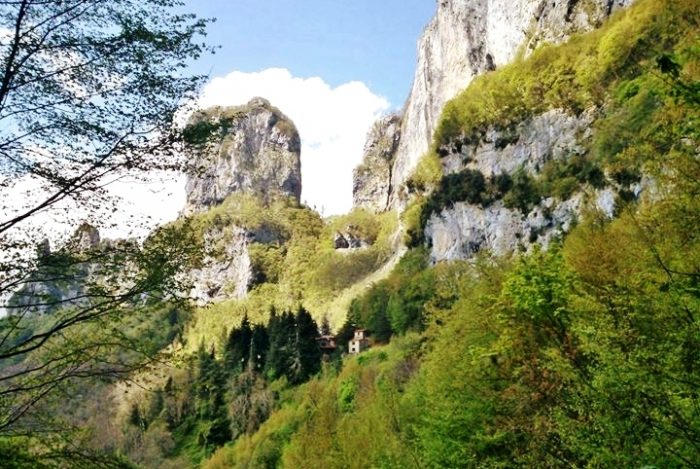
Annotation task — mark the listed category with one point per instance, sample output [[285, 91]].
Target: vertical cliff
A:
[[467, 38], [257, 150], [372, 179], [255, 153]]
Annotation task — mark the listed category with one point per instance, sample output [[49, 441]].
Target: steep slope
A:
[[255, 152], [584, 354], [466, 39], [526, 149], [372, 179]]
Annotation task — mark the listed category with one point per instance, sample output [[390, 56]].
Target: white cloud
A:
[[332, 122]]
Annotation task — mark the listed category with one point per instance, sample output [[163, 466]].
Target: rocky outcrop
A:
[[469, 37], [554, 135], [372, 179], [60, 279], [460, 231], [227, 270], [349, 239], [257, 150], [85, 237], [464, 230]]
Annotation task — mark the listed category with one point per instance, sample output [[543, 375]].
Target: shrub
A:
[[524, 193]]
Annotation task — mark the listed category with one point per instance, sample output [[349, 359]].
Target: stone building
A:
[[359, 342], [326, 343]]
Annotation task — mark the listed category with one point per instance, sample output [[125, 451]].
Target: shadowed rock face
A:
[[372, 179], [257, 151], [463, 229], [228, 274]]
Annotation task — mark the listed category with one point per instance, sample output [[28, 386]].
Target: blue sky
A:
[[372, 41], [333, 67]]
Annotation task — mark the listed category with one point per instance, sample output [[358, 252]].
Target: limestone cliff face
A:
[[458, 232], [372, 179], [226, 271], [469, 37], [62, 278], [553, 135], [257, 151]]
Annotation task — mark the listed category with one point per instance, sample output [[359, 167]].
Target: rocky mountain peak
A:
[[85, 237], [256, 150]]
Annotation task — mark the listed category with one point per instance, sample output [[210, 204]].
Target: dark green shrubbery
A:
[[524, 192], [521, 191]]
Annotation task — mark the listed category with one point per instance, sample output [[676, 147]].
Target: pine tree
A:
[[345, 334], [282, 333], [259, 346], [237, 349], [135, 418], [325, 326], [211, 405], [382, 327], [306, 358], [155, 406]]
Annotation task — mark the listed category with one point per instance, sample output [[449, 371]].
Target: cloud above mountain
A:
[[332, 121]]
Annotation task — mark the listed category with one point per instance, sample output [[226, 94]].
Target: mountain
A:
[[523, 253], [466, 39], [546, 309], [257, 151]]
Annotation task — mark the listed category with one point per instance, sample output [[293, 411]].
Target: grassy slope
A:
[[308, 270]]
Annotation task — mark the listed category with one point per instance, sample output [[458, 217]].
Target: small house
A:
[[359, 341], [326, 343]]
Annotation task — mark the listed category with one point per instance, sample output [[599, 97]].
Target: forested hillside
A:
[[583, 354], [543, 312]]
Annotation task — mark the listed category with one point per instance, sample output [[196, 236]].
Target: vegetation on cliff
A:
[[583, 353], [616, 70]]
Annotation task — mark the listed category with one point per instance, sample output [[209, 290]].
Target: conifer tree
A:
[[325, 326], [344, 335], [259, 346], [306, 359], [210, 405], [282, 332], [237, 349]]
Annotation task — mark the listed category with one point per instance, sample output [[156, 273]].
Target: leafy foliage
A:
[[580, 355]]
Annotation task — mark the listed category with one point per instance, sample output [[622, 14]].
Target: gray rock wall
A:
[[461, 231], [372, 179], [227, 270], [529, 145], [258, 151], [469, 37]]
